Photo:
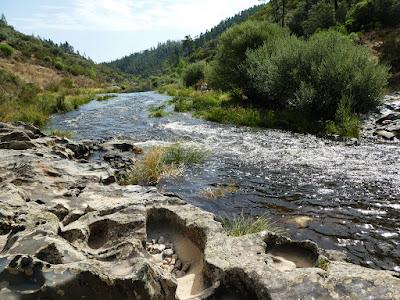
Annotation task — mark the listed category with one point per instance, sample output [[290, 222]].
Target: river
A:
[[342, 196]]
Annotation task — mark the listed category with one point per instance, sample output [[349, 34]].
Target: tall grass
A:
[[244, 225], [162, 162], [157, 112], [60, 133]]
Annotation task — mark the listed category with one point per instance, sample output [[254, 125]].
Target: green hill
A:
[[166, 56], [39, 77]]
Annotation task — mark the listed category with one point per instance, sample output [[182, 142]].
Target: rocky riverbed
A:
[[69, 231], [384, 124]]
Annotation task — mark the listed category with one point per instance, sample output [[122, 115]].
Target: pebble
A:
[[161, 240], [168, 253]]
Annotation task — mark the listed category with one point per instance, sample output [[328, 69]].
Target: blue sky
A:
[[109, 29]]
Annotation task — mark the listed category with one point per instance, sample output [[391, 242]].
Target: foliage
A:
[[164, 58], [234, 44], [346, 123], [20, 101], [157, 112], [106, 97], [6, 50], [194, 73], [162, 162], [320, 16], [244, 225], [61, 57], [368, 14], [391, 50], [313, 76], [179, 155], [60, 133]]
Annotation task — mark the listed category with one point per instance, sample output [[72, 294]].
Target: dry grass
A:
[[162, 162], [44, 77], [31, 73], [219, 191], [244, 225]]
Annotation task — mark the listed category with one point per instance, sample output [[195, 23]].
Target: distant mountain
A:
[[157, 60]]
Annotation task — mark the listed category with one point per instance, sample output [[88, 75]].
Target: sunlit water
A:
[[350, 194]]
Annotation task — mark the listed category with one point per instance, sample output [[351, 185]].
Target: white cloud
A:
[[134, 15]]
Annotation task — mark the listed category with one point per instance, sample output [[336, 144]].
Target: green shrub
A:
[[59, 65], [6, 50], [320, 16], [226, 71], [194, 73], [157, 112], [391, 50], [313, 76], [346, 123], [368, 14]]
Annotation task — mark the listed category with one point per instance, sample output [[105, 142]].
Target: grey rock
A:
[[92, 244], [167, 253], [17, 145], [387, 135]]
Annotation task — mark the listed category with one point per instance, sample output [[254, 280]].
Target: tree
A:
[[188, 45], [3, 20]]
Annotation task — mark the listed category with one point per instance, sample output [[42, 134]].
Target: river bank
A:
[[342, 195]]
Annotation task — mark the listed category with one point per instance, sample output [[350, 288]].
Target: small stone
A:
[[186, 267], [168, 253], [161, 240], [168, 245], [167, 261]]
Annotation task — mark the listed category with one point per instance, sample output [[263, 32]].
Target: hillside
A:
[[161, 59], [372, 22], [40, 77]]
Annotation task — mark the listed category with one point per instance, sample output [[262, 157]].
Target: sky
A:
[[108, 29]]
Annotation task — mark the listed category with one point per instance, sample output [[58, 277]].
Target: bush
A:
[[320, 16], [194, 73], [313, 76], [226, 71], [368, 14], [391, 50], [6, 50]]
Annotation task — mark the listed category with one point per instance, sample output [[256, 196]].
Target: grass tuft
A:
[[105, 97], [244, 225], [60, 133], [162, 162], [219, 191], [157, 112]]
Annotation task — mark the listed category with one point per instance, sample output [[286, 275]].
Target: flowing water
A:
[[344, 197]]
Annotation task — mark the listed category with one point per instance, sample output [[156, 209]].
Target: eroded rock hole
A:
[[98, 234], [179, 250], [236, 285], [286, 252]]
